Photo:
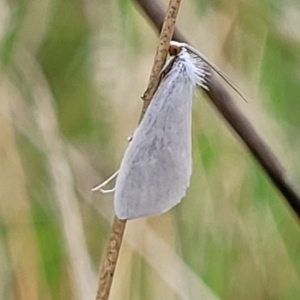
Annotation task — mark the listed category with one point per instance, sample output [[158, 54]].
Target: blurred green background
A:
[[72, 74]]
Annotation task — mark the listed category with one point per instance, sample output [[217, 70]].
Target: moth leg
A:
[[107, 191], [108, 180]]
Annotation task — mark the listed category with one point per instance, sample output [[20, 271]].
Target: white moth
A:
[[156, 168]]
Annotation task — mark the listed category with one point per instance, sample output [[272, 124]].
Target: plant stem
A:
[[118, 228]]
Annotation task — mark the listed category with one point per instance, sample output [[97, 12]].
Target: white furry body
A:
[[156, 167]]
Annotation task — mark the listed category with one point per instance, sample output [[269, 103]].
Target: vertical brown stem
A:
[[113, 249], [161, 53], [110, 258]]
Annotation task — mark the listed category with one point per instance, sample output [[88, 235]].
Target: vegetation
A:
[[72, 74]]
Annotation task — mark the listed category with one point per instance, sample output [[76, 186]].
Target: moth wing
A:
[[156, 167]]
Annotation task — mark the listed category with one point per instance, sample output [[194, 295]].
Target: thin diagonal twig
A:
[[118, 227], [226, 106], [161, 53]]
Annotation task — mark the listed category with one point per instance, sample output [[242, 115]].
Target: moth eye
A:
[[174, 50]]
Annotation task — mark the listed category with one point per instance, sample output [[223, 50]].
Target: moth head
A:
[[174, 50]]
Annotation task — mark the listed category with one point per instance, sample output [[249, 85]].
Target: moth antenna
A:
[[213, 66], [108, 180]]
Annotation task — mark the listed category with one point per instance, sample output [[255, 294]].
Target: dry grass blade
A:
[[84, 279], [15, 215], [118, 228]]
